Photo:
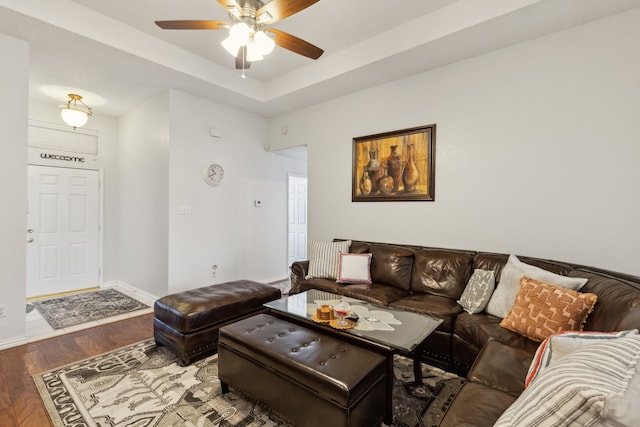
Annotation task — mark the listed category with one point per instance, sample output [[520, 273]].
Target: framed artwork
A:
[[394, 166]]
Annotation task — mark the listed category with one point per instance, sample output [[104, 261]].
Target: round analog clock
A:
[[213, 174]]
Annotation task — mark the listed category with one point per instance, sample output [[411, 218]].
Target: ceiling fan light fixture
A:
[[240, 33], [230, 46], [253, 52], [73, 114], [264, 42]]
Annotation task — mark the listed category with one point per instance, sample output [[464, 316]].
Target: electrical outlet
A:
[[214, 269], [2, 314]]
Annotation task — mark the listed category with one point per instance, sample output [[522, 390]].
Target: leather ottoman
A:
[[308, 378], [188, 322]]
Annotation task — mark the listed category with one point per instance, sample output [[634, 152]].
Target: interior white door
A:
[[297, 229], [63, 230]]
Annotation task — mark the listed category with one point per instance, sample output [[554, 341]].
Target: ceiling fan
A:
[[248, 40]]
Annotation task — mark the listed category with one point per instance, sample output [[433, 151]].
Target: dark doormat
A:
[[71, 310]]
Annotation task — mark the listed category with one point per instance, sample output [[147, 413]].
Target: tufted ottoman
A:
[[307, 377], [188, 322]]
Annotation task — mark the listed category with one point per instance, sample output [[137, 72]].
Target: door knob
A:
[[30, 239], [30, 230]]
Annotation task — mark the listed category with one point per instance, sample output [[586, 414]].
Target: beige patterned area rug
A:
[[143, 385], [71, 310]]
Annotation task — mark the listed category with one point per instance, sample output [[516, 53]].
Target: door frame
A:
[[289, 176], [100, 211]]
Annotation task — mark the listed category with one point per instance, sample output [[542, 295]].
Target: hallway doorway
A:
[[297, 218]]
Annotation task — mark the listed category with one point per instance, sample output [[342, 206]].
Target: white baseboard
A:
[[13, 342], [144, 296]]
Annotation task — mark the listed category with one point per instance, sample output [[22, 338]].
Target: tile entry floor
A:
[[38, 328]]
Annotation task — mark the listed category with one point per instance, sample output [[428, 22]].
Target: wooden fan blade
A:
[[193, 25], [294, 44], [230, 6], [280, 9], [241, 59]]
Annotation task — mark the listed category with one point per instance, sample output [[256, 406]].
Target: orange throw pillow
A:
[[541, 309]]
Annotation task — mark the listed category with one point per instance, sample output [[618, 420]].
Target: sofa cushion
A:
[[509, 283], [575, 390], [476, 405], [359, 247], [375, 293], [391, 265], [441, 272], [478, 329], [478, 291], [501, 367], [354, 268], [431, 305], [496, 262], [324, 258], [541, 309], [618, 301]]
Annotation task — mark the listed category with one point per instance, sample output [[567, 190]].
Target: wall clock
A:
[[213, 174]]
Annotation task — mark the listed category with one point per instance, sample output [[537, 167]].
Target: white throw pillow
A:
[[478, 291], [580, 389], [324, 258], [505, 294], [623, 410], [354, 268], [556, 346]]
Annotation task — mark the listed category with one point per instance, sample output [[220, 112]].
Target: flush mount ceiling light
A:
[[73, 114], [249, 38]]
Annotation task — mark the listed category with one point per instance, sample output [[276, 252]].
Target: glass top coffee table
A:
[[392, 331], [402, 330]]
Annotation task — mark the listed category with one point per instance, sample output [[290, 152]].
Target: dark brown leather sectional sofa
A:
[[431, 280]]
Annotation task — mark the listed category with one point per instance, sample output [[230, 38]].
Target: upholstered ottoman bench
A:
[[187, 322], [309, 378]]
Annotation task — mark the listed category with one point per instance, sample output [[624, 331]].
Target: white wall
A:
[[224, 227], [13, 173], [536, 152], [143, 196]]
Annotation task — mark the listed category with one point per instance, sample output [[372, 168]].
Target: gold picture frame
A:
[[395, 166]]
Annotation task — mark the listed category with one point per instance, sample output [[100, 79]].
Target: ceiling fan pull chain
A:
[[243, 67]]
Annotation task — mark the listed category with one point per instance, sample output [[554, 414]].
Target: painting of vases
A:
[[394, 166], [410, 174]]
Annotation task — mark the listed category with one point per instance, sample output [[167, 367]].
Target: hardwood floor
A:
[[20, 403]]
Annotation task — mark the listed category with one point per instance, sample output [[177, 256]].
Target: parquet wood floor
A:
[[20, 403]]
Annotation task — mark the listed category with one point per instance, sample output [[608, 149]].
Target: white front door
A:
[[63, 234], [297, 229]]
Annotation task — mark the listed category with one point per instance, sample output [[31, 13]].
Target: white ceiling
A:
[[112, 53]]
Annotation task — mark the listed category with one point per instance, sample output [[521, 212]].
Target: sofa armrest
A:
[[501, 367], [299, 271]]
